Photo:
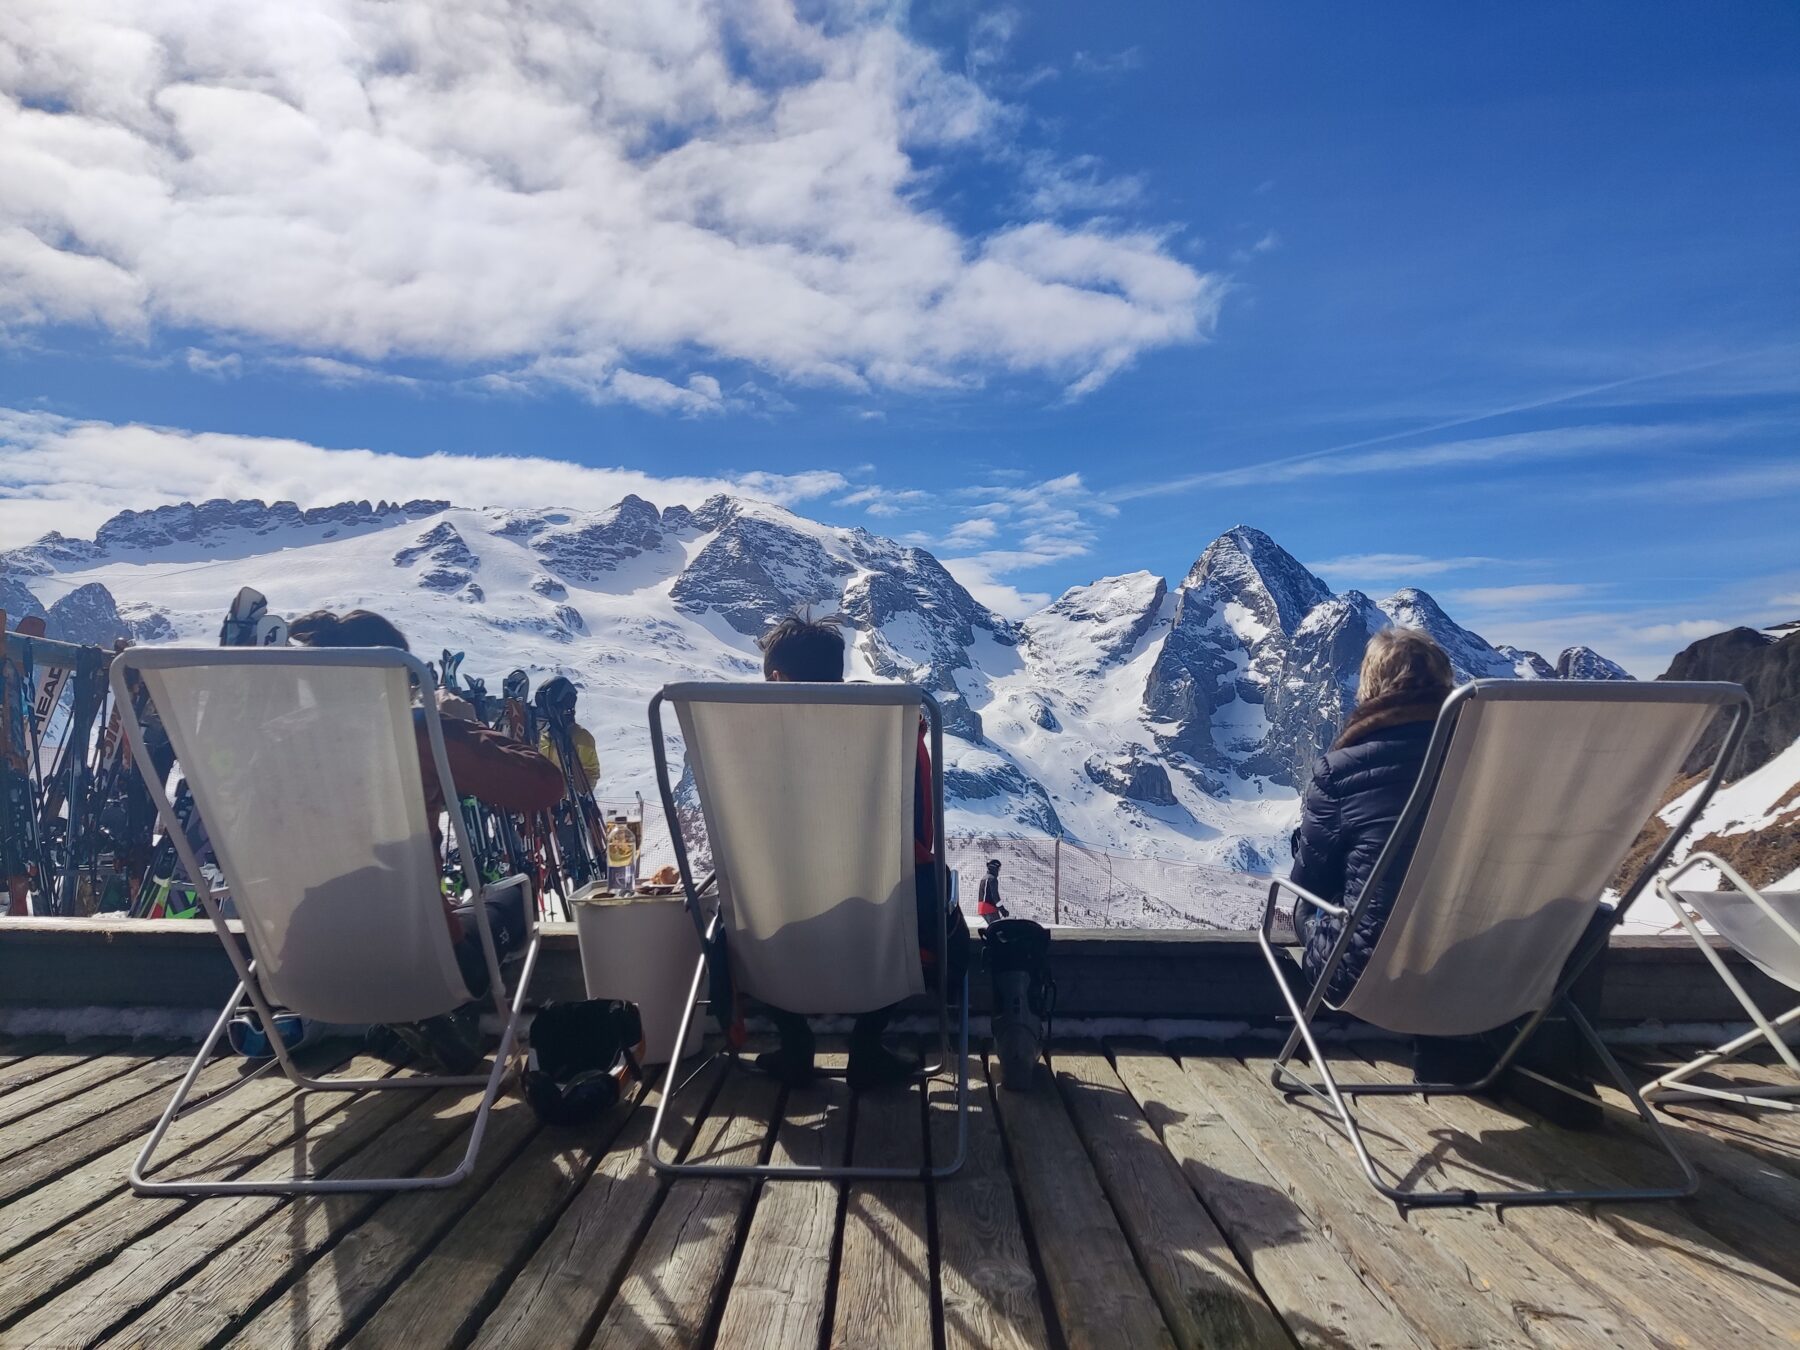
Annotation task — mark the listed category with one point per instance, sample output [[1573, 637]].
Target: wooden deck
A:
[[1145, 1198]]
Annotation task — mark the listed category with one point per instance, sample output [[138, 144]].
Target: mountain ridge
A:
[[1126, 713]]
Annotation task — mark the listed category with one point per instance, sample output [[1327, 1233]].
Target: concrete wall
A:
[[179, 964]]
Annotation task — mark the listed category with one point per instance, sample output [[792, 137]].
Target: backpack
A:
[[583, 1057], [1017, 955]]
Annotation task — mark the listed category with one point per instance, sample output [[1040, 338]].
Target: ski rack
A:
[[28, 652]]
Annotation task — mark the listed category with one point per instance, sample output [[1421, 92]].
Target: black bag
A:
[[1017, 955], [583, 1057]]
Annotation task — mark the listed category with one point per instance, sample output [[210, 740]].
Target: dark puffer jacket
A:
[[1357, 792]]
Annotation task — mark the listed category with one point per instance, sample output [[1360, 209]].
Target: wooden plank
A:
[[21, 1109], [1099, 1294], [884, 1263], [13, 1049], [376, 1235], [441, 1301], [554, 1302], [61, 1257], [1433, 1288], [35, 1068], [1321, 1298], [139, 1273], [678, 1275], [106, 1118], [989, 1291], [1206, 1297], [39, 1193], [1649, 1260], [1745, 1198], [779, 1292], [1543, 1301]]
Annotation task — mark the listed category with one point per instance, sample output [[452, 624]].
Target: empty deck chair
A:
[[806, 791], [1530, 797], [1765, 927], [305, 768]]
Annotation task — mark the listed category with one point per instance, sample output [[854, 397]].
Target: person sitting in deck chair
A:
[[812, 651], [1358, 790], [487, 765]]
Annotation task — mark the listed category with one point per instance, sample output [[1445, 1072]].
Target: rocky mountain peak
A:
[[1246, 566], [1472, 656], [1093, 627], [88, 615], [1584, 663]]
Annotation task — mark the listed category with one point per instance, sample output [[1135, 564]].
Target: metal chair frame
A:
[[1305, 1007], [706, 924], [508, 1007]]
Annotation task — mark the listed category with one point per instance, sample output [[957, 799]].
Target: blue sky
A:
[[1498, 300]]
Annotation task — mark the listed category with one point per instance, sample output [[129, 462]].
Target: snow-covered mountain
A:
[[1127, 714]]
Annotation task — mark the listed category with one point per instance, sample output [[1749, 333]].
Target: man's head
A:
[[993, 866], [810, 651], [358, 628]]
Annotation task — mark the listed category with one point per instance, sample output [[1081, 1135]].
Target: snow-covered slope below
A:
[[1754, 824], [1127, 715]]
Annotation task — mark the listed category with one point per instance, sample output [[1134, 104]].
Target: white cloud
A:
[[970, 533], [886, 501], [569, 191], [979, 580], [56, 473]]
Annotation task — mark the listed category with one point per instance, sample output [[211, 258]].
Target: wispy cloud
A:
[[57, 473], [1496, 597], [1376, 567], [1108, 63], [1566, 442], [618, 200], [1288, 467], [1719, 483]]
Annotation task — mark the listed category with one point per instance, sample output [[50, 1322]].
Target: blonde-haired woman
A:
[[1358, 789]]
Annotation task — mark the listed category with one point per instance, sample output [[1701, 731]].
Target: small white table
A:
[[641, 948]]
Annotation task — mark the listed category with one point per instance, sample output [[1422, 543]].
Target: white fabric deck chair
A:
[[1765, 927], [806, 791], [304, 766], [1530, 797]]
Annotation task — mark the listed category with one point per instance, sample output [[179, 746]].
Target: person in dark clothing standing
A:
[[810, 651], [987, 894], [1350, 808]]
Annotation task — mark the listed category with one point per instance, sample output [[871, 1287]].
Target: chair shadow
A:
[[1531, 1151]]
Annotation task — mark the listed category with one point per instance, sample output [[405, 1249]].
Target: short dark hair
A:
[[804, 649], [358, 628]]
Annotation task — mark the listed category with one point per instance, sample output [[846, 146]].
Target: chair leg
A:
[[1337, 1097], [490, 1084], [772, 1171], [1675, 1087]]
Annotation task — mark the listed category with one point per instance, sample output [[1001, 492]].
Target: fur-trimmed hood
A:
[[1391, 710]]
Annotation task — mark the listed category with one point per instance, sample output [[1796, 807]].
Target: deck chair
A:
[[1530, 797], [305, 767], [806, 791], [1765, 927]]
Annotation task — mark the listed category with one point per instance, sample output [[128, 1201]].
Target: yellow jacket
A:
[[584, 751]]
